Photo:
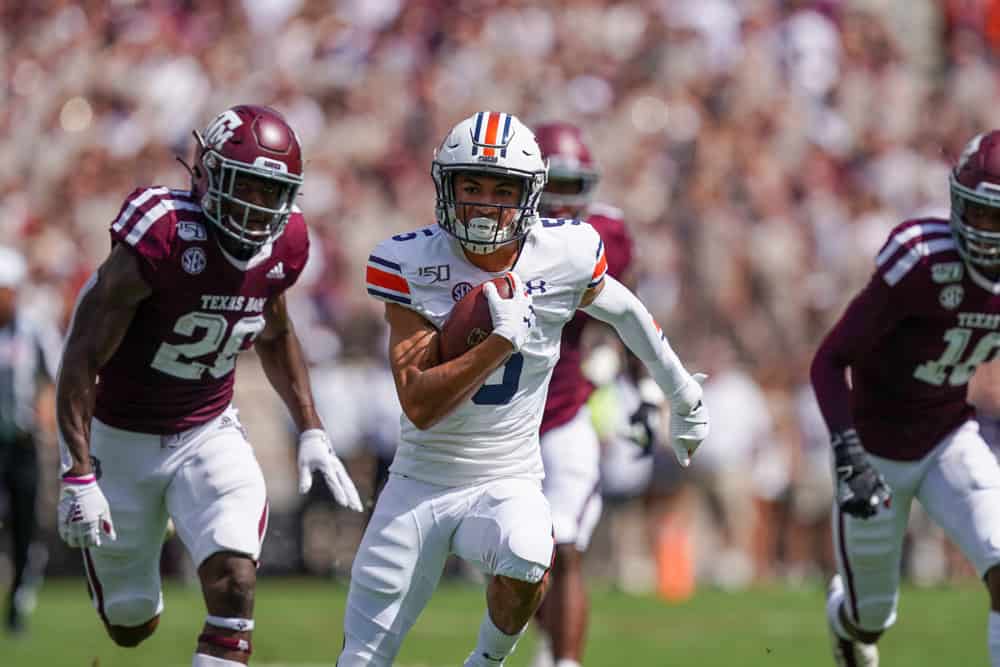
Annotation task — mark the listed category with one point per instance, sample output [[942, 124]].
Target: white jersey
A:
[[494, 433]]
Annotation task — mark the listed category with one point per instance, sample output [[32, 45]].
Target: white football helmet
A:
[[497, 144]]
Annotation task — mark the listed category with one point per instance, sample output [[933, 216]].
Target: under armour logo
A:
[[535, 285]]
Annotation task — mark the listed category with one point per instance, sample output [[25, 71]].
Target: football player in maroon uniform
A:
[[902, 429], [570, 448], [146, 425]]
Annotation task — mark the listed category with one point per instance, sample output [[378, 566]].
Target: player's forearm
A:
[[285, 367], [431, 394], [87, 350], [828, 374], [74, 407], [617, 306], [865, 321]]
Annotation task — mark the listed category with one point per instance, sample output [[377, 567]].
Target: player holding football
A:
[[902, 429], [467, 474], [193, 278], [569, 445]]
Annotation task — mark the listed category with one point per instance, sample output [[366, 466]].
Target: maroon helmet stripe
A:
[[95, 584]]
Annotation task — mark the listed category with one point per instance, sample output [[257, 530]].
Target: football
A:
[[469, 322]]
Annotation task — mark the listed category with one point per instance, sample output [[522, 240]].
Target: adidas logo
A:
[[277, 271]]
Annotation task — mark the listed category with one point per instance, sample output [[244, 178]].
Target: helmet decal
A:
[[221, 130]]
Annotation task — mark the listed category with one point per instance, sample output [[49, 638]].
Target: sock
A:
[[566, 662], [993, 638], [833, 604], [202, 660], [494, 645], [543, 652]]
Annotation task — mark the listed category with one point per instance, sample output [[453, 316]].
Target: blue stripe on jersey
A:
[[386, 263], [503, 139], [596, 282], [600, 247], [475, 135], [385, 295]]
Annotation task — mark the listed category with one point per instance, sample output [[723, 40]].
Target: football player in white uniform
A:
[[467, 474]]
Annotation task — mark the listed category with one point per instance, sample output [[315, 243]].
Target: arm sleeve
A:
[[871, 315], [617, 306]]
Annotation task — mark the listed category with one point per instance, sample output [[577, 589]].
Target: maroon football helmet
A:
[[247, 172], [572, 175], [975, 202]]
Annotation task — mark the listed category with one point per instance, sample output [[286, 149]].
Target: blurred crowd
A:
[[760, 149]]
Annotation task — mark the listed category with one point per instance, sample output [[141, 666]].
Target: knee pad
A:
[[527, 554], [131, 612]]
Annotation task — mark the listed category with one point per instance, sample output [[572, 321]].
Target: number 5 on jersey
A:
[[501, 393]]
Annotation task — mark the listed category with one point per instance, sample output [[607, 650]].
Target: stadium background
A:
[[760, 149]]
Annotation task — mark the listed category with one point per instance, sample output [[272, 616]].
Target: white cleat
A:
[[846, 652]]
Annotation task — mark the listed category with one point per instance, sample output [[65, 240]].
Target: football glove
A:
[[512, 318], [316, 455], [861, 490], [84, 514], [688, 419]]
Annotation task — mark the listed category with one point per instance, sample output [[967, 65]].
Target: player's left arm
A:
[[284, 365], [613, 303]]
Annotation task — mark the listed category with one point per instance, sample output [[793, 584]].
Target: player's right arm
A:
[[428, 389], [860, 488], [103, 313]]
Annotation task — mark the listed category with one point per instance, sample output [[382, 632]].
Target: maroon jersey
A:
[[174, 368], [912, 339], [568, 389]]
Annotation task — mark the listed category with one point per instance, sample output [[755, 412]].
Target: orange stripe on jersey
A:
[[600, 268], [386, 280], [492, 123]]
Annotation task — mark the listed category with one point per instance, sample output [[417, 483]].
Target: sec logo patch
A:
[[951, 296], [460, 290], [194, 260]]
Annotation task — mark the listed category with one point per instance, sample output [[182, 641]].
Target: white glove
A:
[[316, 455], [84, 515], [513, 317], [688, 419]]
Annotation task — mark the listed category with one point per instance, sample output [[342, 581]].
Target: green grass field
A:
[[299, 625]]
